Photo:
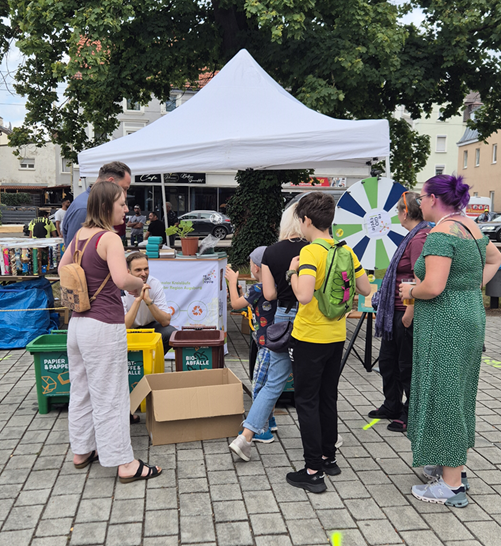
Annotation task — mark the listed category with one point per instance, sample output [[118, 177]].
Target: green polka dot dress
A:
[[448, 338]]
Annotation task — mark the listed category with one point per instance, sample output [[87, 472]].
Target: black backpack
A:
[[39, 230]]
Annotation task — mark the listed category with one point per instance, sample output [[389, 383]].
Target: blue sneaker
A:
[[273, 424], [265, 438]]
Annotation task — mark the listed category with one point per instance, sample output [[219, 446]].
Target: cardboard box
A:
[[189, 406]]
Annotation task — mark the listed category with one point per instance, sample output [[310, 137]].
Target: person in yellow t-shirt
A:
[[316, 347]]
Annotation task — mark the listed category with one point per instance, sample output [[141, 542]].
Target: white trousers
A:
[[99, 407]]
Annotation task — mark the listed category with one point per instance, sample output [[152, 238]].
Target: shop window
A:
[[27, 164], [477, 157], [465, 159], [441, 144]]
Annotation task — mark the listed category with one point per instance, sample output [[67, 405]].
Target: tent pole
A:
[[387, 166], [164, 200]]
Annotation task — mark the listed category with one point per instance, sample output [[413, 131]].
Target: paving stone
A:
[[234, 534], [386, 495], [54, 527], [69, 484], [261, 502], [5, 506], [267, 524], [15, 538], [421, 538], [488, 532], [160, 541], [134, 490], [364, 509], [328, 499], [161, 522], [161, 499], [88, 533], [336, 519], [229, 511], [225, 492], [352, 537], [97, 488], [490, 503], [10, 491], [197, 529], [406, 518], [448, 526], [127, 511], [194, 504], [61, 506], [61, 540], [351, 490], [128, 534], [297, 510], [94, 510], [23, 517], [273, 540], [222, 477], [306, 531], [195, 485], [379, 532]]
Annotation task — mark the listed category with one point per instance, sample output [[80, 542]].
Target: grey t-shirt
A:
[[142, 219]]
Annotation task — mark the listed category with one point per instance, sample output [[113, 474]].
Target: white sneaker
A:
[[339, 441], [241, 447]]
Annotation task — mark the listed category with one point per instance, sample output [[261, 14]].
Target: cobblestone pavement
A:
[[207, 496]]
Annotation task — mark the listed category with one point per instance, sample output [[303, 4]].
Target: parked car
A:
[[492, 229], [207, 222], [26, 231]]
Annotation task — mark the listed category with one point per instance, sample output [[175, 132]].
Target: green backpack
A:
[[335, 296]]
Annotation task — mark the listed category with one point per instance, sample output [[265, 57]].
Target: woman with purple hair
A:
[[449, 328]]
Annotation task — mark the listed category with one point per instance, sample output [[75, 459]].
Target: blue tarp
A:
[[18, 328]]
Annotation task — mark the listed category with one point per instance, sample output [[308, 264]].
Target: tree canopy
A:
[[345, 59]]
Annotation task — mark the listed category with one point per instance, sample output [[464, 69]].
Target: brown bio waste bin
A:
[[198, 348]]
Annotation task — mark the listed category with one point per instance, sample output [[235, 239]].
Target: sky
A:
[[12, 108]]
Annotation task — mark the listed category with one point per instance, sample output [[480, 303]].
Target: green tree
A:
[[256, 209]]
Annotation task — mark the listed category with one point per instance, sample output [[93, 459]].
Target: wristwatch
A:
[[410, 292], [288, 275], [148, 304]]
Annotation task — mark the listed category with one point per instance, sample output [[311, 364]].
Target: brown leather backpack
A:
[[74, 291]]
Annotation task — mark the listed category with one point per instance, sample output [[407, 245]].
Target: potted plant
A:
[[189, 245]]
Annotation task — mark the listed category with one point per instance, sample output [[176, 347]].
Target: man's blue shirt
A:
[[75, 217]]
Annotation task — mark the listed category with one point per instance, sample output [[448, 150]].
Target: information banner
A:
[[195, 290]]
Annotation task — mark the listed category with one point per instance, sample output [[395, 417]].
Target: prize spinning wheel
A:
[[366, 218]]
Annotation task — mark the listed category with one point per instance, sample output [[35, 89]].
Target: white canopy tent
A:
[[243, 119]]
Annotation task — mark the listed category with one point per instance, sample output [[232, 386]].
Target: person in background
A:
[[172, 220], [484, 217], [263, 312], [149, 309], [276, 260], [394, 319], [316, 346], [116, 172], [449, 331], [60, 215], [136, 223], [41, 227], [99, 409], [156, 227]]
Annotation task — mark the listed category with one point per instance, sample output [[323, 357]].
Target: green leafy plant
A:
[[184, 227], [256, 209], [14, 199]]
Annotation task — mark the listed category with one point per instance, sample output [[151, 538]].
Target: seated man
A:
[[149, 310]]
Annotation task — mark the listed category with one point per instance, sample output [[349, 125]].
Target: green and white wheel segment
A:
[[366, 218]]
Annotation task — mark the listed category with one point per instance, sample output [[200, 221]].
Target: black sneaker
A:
[[381, 413], [311, 482], [331, 467]]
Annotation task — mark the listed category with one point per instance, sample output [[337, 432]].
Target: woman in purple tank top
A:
[[98, 415]]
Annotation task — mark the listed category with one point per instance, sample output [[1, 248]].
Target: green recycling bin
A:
[[51, 369], [198, 348]]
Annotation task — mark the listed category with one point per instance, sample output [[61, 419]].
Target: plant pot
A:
[[189, 246]]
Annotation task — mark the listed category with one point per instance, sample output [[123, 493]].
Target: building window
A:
[[475, 194], [439, 117], [130, 128], [465, 159], [491, 196], [477, 157], [494, 153], [65, 165], [439, 169], [132, 106], [441, 144], [171, 104], [27, 164]]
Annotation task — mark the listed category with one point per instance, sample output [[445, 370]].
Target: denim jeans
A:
[[278, 373], [136, 239]]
